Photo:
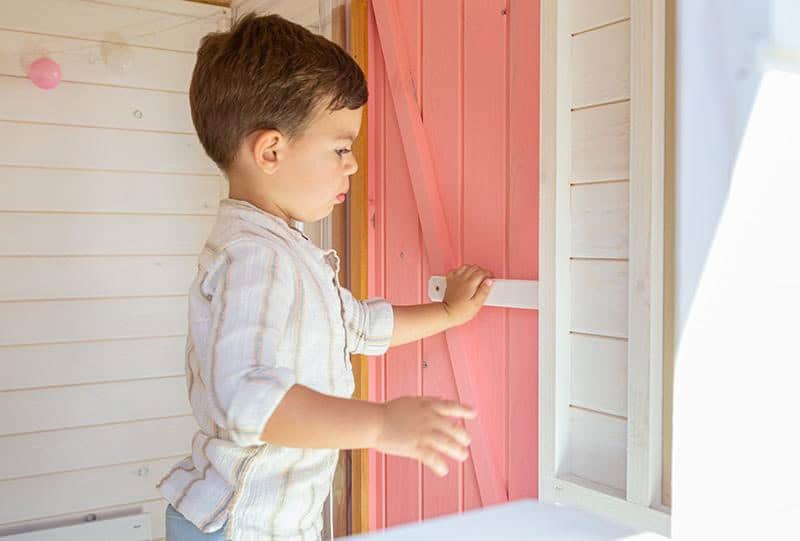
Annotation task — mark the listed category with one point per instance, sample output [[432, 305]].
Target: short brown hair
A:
[[267, 73]]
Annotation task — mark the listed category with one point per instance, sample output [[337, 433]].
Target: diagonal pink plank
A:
[[436, 236]]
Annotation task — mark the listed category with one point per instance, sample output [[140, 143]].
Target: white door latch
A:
[[505, 293]]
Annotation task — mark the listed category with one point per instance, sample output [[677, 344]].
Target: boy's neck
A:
[[258, 200]]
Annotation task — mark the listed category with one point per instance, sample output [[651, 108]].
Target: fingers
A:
[[447, 445], [455, 431], [450, 408], [433, 460]]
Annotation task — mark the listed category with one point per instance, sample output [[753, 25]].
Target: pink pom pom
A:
[[45, 73]]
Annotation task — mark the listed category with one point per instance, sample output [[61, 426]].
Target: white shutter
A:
[[602, 257]]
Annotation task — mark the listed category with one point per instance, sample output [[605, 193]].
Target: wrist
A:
[[377, 423], [451, 317]]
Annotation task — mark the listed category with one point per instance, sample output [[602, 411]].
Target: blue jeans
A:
[[179, 528]]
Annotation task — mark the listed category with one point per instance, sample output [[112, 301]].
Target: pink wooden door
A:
[[475, 69]]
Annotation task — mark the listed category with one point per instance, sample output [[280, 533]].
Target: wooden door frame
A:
[[357, 264]]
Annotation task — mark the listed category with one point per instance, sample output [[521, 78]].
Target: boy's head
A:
[[277, 108]]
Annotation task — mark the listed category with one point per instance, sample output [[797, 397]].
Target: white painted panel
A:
[[70, 492], [600, 297], [65, 450], [60, 190], [600, 221], [600, 138], [601, 65], [598, 374], [97, 61], [102, 234], [646, 335], [42, 278], [586, 14], [303, 12], [597, 447], [170, 27], [81, 104], [98, 170], [64, 321], [100, 148], [154, 508], [48, 365], [44, 409]]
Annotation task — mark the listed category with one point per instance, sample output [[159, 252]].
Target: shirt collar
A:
[[254, 214]]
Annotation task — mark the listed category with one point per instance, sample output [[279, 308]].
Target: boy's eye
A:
[[342, 151]]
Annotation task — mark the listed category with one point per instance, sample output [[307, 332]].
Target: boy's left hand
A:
[[467, 289]]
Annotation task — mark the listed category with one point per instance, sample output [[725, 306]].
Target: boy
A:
[[270, 330]]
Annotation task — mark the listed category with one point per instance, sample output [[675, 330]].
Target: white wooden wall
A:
[[601, 256], [106, 197]]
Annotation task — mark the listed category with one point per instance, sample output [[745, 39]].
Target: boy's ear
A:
[[267, 150]]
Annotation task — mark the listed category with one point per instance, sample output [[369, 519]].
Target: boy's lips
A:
[[341, 197]]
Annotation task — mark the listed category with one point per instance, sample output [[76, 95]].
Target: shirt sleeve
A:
[[369, 324], [252, 298]]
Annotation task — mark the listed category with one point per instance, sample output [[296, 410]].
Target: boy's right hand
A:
[[425, 429]]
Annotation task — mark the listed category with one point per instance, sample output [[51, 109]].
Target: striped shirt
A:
[[266, 311]]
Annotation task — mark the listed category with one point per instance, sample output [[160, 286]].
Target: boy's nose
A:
[[352, 168]]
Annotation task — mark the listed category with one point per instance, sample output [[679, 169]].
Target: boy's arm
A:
[[418, 321], [467, 290], [420, 428]]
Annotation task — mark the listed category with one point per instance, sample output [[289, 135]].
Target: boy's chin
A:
[[315, 217]]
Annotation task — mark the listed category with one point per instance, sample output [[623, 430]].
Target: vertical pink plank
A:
[[375, 239], [523, 241], [441, 72], [403, 285], [485, 207]]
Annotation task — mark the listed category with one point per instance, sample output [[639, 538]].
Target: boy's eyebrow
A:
[[349, 136]]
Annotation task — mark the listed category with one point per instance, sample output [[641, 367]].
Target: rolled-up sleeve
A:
[[369, 324], [250, 307]]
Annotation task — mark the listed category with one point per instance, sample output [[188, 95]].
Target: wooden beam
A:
[[436, 237], [359, 262]]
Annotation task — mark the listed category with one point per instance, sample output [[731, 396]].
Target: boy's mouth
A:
[[341, 197]]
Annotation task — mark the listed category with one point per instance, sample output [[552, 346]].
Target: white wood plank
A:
[[91, 105], [50, 365], [45, 409], [600, 221], [26, 499], [599, 374], [645, 361], [65, 450], [600, 297], [601, 65], [597, 447], [585, 14], [522, 294], [128, 528], [167, 28], [554, 292], [55, 278], [600, 138], [99, 62], [302, 12], [165, 7], [101, 148], [40, 322], [154, 508], [610, 503], [102, 234], [64, 190]]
